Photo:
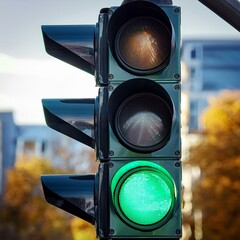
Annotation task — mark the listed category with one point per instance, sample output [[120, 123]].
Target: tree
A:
[[82, 230], [217, 153], [24, 214]]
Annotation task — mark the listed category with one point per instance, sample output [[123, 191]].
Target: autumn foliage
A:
[[24, 213], [217, 193]]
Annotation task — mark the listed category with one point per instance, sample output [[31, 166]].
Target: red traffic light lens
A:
[[143, 44]]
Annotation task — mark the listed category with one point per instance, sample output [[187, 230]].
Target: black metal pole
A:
[[229, 10]]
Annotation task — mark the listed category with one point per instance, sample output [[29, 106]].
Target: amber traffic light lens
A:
[[143, 44]]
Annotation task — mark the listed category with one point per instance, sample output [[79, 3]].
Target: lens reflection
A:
[[144, 120], [144, 43]]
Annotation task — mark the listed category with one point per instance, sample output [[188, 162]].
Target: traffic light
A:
[[144, 121], [133, 124]]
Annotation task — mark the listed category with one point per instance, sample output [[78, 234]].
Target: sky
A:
[[28, 73]]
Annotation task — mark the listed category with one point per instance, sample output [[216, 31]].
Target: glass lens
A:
[[144, 120], [143, 194], [144, 43], [145, 197]]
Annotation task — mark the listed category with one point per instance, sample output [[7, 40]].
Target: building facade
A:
[[212, 66], [8, 136], [209, 67], [17, 141]]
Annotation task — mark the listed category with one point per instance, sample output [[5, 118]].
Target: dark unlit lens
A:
[[144, 120]]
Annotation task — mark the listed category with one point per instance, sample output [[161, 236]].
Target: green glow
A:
[[143, 191]]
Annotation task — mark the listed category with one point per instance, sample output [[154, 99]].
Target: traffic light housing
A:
[[133, 124], [144, 120]]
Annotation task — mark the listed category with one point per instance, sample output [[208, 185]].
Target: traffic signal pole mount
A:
[[229, 10], [133, 124]]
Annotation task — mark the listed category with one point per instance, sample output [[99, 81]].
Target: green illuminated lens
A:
[[146, 194], [145, 198]]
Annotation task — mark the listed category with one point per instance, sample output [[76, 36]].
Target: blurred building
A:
[[208, 67], [8, 133], [18, 141], [212, 66]]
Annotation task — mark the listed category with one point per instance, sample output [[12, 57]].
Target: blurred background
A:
[[28, 148]]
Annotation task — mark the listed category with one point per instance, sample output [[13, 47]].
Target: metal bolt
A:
[[178, 231], [111, 164], [110, 88], [177, 153], [110, 76], [177, 164], [111, 153], [176, 75], [177, 10], [177, 87]]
